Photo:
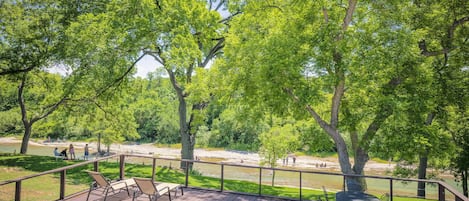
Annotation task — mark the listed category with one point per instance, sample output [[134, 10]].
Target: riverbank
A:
[[329, 164]]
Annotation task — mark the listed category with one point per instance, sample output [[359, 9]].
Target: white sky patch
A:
[[146, 65], [60, 69]]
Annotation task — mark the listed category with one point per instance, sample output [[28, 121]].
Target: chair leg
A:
[[133, 197], [105, 195], [89, 192], [128, 192]]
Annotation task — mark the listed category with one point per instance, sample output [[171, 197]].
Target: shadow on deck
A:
[[190, 194]]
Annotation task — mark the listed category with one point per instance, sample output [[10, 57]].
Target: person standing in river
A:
[[71, 150], [87, 152]]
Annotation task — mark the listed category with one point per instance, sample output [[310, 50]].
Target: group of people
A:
[[285, 160], [71, 151]]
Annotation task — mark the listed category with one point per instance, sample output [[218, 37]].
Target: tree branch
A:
[[219, 4], [326, 16], [348, 16], [313, 113], [215, 49], [24, 117], [227, 19], [384, 111], [119, 79], [16, 71], [50, 109], [455, 24], [446, 47]]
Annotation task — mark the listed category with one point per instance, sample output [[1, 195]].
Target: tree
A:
[[190, 40], [181, 35], [28, 42], [445, 39], [460, 163], [293, 55], [276, 144], [33, 41]]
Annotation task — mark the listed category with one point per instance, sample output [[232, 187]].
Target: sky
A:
[[145, 65]]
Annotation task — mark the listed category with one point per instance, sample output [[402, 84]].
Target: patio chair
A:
[[155, 190], [106, 184]]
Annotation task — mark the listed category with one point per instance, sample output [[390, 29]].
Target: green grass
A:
[[77, 179]]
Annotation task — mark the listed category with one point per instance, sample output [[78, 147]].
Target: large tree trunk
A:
[[99, 144], [26, 136], [423, 164], [187, 140], [353, 183], [24, 117], [360, 159], [187, 149], [423, 161]]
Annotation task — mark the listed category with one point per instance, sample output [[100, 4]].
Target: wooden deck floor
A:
[[190, 194]]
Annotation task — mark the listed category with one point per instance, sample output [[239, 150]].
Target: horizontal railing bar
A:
[[290, 170]]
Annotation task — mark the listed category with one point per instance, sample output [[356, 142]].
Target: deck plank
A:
[[190, 194]]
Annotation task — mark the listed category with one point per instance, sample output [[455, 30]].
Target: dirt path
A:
[[226, 156]]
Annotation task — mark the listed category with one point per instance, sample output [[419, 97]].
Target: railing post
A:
[[122, 167], [260, 181], [301, 192], [222, 173], [18, 191], [343, 184], [441, 192], [391, 193], [62, 184], [96, 166], [153, 171], [187, 174]]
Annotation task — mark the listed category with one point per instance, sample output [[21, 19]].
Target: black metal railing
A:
[[442, 187]]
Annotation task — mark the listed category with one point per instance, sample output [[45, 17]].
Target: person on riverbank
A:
[[56, 152], [71, 150], [87, 152], [64, 154]]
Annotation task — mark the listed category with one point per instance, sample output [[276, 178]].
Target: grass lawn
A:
[[47, 187], [40, 188]]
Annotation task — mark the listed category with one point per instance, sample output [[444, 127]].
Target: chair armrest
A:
[[118, 184]]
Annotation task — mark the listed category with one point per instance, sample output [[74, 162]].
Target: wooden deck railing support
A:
[[390, 190], [187, 173], [18, 191], [63, 173], [260, 180], [122, 167], [301, 186], [153, 169], [96, 166], [343, 183], [441, 193], [222, 176]]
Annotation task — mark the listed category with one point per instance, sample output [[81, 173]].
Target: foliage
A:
[[277, 143]]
